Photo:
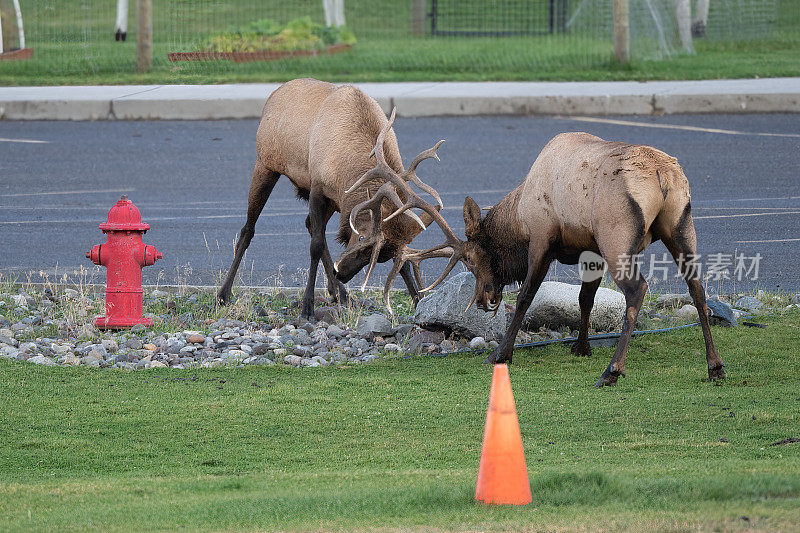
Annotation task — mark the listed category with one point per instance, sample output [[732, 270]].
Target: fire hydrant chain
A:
[[124, 255]]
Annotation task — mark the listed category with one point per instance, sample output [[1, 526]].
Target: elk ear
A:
[[472, 217]]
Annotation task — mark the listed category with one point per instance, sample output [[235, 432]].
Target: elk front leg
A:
[[537, 269], [411, 284], [318, 207], [260, 188], [336, 288], [586, 302]]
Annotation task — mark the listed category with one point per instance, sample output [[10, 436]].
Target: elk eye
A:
[[361, 238]]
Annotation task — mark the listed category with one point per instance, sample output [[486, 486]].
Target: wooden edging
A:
[[23, 53], [264, 55]]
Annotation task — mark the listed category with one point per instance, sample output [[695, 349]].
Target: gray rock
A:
[[361, 345], [42, 360], [301, 337], [556, 305], [720, 314], [8, 340], [796, 298], [91, 360], [110, 345], [326, 313], [321, 361], [673, 300], [478, 343], [687, 312], [99, 348], [70, 293], [402, 330], [122, 357], [424, 341], [134, 343], [375, 324], [302, 351], [335, 331], [294, 360], [444, 309], [748, 303]]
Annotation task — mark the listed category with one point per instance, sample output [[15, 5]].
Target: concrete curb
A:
[[238, 101]]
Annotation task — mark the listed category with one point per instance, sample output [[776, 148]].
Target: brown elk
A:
[[582, 193], [320, 136]]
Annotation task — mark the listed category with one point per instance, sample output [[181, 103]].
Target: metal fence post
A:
[[144, 35]]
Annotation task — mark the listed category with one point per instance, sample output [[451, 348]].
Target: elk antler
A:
[[452, 247], [388, 191]]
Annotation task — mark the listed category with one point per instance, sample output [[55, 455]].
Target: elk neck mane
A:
[[501, 237]]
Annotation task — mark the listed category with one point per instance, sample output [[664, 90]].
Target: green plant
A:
[[266, 34]]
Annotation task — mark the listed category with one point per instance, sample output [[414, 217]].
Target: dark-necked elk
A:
[[321, 136], [581, 194]]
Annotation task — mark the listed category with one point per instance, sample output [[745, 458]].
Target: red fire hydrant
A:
[[124, 254]]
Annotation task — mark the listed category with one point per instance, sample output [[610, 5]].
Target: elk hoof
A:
[[223, 298], [581, 349], [497, 358], [609, 378], [338, 293], [717, 373]]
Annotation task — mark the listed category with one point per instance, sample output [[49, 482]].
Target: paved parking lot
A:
[[190, 180]]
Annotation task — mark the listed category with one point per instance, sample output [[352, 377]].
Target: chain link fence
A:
[[407, 37]]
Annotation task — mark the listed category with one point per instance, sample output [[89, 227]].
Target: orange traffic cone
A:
[[502, 476]]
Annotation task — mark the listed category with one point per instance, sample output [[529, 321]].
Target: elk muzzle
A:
[[488, 297]]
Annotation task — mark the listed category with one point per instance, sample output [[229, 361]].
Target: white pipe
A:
[[334, 12], [121, 29], [339, 13], [19, 24], [1, 33], [683, 19], [701, 12]]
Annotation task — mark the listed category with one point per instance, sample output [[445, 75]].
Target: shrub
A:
[[266, 34]]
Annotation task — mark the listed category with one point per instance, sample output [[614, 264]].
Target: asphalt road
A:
[[190, 180]]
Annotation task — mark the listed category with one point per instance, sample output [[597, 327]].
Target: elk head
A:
[[472, 253], [381, 237]]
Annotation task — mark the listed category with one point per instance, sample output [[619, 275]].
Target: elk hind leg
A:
[[683, 247], [260, 188], [586, 302]]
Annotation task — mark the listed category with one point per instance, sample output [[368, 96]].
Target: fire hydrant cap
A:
[[124, 216]]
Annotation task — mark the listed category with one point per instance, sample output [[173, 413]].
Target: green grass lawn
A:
[[396, 444], [75, 46]]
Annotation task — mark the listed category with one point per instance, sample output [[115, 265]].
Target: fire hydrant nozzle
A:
[[123, 254]]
